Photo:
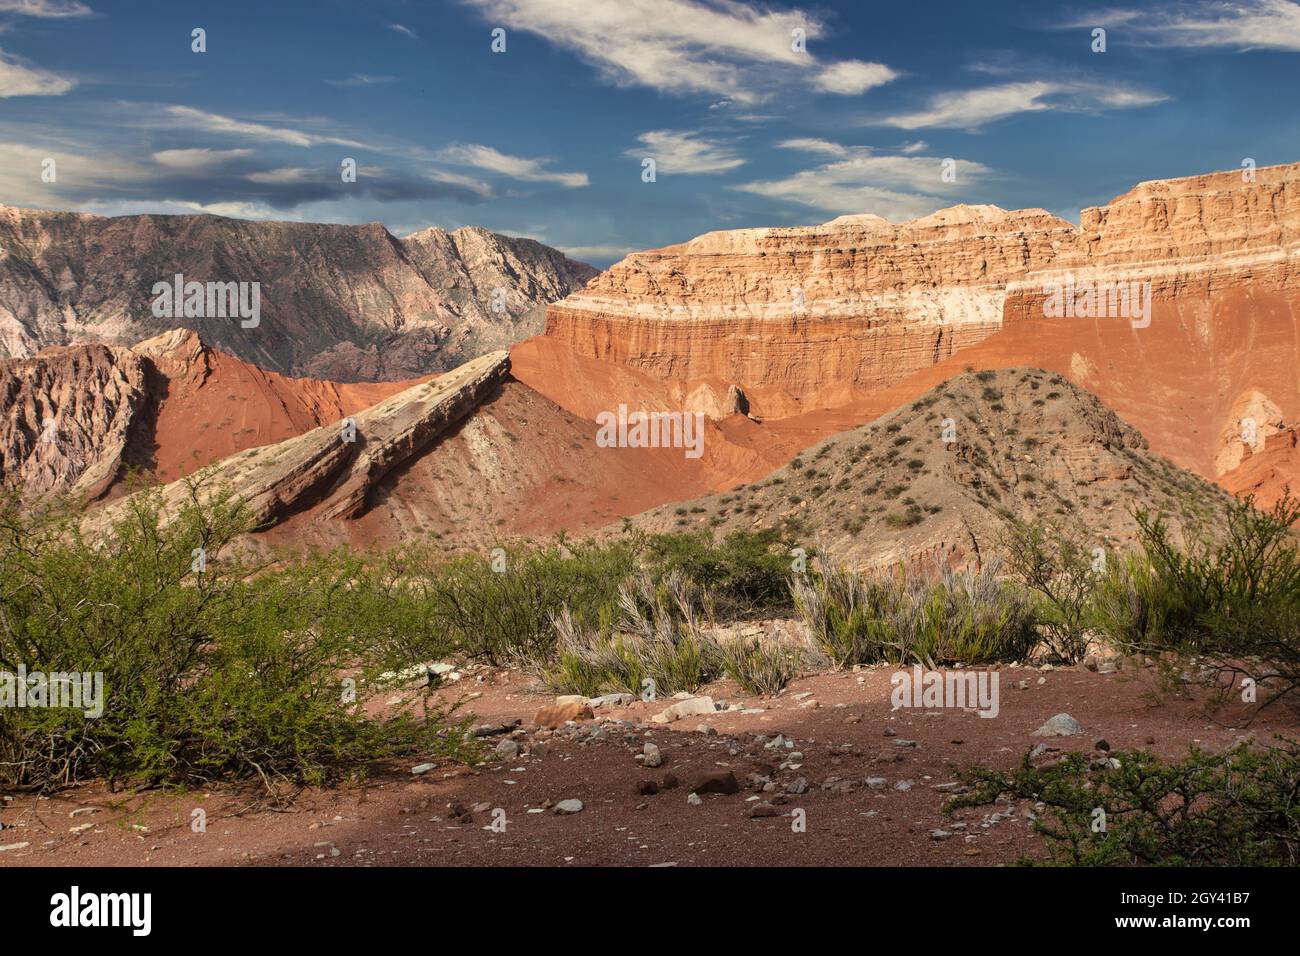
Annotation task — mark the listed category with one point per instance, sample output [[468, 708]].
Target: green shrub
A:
[[949, 617], [761, 667], [1235, 808], [658, 645], [1055, 563], [744, 573], [498, 609], [1230, 599], [208, 669]]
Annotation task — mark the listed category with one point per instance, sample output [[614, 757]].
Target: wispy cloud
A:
[[198, 158], [860, 180], [403, 30], [471, 185], [970, 109], [684, 152], [688, 46], [1242, 25], [17, 79], [187, 117], [46, 9], [362, 79], [809, 145], [515, 167]]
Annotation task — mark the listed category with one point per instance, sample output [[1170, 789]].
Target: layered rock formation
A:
[[77, 418], [65, 419], [824, 325], [334, 467], [351, 303], [795, 315]]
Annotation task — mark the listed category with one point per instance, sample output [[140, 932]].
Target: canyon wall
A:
[[833, 317], [793, 315]]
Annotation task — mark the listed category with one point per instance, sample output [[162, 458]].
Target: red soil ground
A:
[[399, 819]]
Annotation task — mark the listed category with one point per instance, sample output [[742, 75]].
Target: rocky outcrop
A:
[[333, 468], [802, 317], [350, 303], [77, 418], [66, 417], [781, 312]]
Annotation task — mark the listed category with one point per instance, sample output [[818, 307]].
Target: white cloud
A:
[[77, 172], [362, 79], [281, 175], [853, 77], [1243, 25], [403, 30], [515, 167], [19, 80], [683, 152], [968, 109], [190, 118], [476, 186], [686, 46], [46, 9], [811, 145], [198, 158], [896, 187]]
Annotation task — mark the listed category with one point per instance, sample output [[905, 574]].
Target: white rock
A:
[[690, 707], [565, 807], [1062, 725]]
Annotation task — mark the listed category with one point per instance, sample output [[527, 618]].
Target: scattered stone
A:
[[939, 835], [566, 807], [903, 785], [420, 768], [716, 781], [875, 783], [612, 700], [646, 788], [13, 846], [481, 807], [495, 730], [760, 810], [670, 782], [508, 749], [558, 715], [1102, 745], [653, 758], [1062, 725], [693, 799], [900, 742], [690, 707], [797, 786]]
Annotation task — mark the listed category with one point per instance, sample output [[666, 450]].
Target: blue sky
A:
[[547, 139]]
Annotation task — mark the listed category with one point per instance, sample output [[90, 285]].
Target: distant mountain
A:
[[348, 303]]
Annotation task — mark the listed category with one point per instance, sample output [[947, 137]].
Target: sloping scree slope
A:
[[938, 478]]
